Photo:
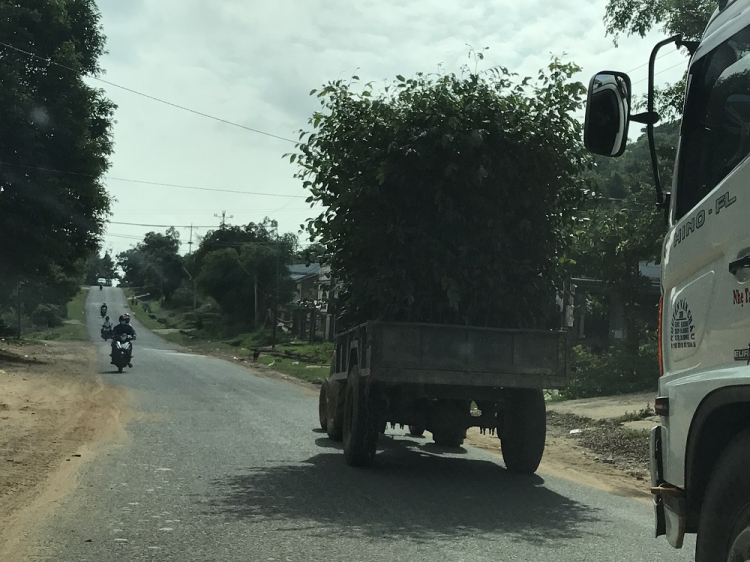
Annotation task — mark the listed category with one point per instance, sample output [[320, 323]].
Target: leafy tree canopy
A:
[[447, 197], [50, 119], [638, 17], [228, 262], [154, 264]]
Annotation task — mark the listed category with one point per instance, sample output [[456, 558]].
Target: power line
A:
[[132, 91], [662, 71], [152, 183], [164, 225], [668, 53], [200, 212]]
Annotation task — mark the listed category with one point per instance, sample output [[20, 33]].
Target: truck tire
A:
[[449, 437], [724, 524], [323, 406], [416, 430], [524, 430], [335, 416], [360, 423]]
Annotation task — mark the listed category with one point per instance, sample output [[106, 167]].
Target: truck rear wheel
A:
[[335, 414], [724, 525], [416, 430], [360, 423], [323, 406], [524, 430], [449, 437]]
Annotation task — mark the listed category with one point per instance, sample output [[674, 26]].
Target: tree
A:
[[50, 119], [230, 260], [314, 253], [617, 236], [447, 196], [155, 264], [638, 17], [100, 266]]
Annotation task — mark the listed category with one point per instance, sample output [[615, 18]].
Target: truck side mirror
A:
[[607, 113]]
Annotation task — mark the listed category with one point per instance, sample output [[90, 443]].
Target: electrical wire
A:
[[662, 71], [154, 98], [153, 183], [668, 53]]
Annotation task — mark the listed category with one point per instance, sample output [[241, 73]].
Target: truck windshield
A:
[[716, 124]]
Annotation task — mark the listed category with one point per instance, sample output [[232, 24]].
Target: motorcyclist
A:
[[107, 325], [122, 328], [103, 309]]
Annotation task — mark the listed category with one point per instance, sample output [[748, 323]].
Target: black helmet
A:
[[106, 318], [121, 319]]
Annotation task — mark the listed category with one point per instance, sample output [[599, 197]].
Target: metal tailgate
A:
[[467, 356]]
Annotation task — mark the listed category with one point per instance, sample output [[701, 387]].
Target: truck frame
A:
[[700, 451], [426, 376]]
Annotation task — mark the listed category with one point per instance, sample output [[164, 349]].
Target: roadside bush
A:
[[181, 299], [47, 315], [615, 371]]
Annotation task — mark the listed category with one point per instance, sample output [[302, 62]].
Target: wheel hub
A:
[[740, 550]]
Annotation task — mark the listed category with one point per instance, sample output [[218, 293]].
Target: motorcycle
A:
[[122, 351], [106, 333]]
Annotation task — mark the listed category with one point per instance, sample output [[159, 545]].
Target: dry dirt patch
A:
[[54, 410]]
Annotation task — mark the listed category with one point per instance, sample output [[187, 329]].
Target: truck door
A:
[[706, 314]]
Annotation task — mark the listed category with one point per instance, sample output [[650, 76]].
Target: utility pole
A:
[[223, 217], [195, 305], [190, 243], [18, 307], [256, 302], [275, 224]]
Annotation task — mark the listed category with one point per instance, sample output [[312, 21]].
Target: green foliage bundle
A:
[[448, 198]]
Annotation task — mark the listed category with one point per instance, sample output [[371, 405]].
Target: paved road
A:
[[221, 465]]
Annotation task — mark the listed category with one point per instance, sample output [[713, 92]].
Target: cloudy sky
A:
[[254, 63]]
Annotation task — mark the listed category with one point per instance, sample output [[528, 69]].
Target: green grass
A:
[[75, 327], [319, 352], [141, 315], [312, 369], [303, 371]]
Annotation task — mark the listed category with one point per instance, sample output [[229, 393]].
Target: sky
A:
[[254, 63]]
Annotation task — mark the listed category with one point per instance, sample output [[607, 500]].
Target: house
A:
[[306, 279], [311, 312], [603, 326]]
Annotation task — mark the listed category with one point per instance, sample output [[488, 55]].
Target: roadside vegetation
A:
[[71, 327]]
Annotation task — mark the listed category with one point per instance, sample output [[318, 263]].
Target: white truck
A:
[[700, 451]]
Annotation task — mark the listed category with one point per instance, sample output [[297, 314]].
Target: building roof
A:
[[301, 270]]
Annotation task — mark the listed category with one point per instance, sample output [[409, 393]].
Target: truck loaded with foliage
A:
[[450, 207]]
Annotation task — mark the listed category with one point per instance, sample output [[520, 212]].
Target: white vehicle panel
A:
[[706, 313]]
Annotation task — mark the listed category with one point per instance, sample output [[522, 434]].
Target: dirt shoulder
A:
[[600, 442], [54, 413]]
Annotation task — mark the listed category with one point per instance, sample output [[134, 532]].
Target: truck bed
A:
[[437, 354]]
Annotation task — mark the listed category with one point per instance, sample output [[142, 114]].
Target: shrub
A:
[[614, 371]]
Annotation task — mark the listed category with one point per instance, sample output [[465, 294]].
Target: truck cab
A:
[[701, 448]]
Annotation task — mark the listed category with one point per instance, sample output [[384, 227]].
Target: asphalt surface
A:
[[222, 465]]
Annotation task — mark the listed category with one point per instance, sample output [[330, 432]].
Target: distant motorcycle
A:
[[106, 333], [122, 351]]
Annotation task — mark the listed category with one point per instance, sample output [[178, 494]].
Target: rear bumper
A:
[[670, 508]]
